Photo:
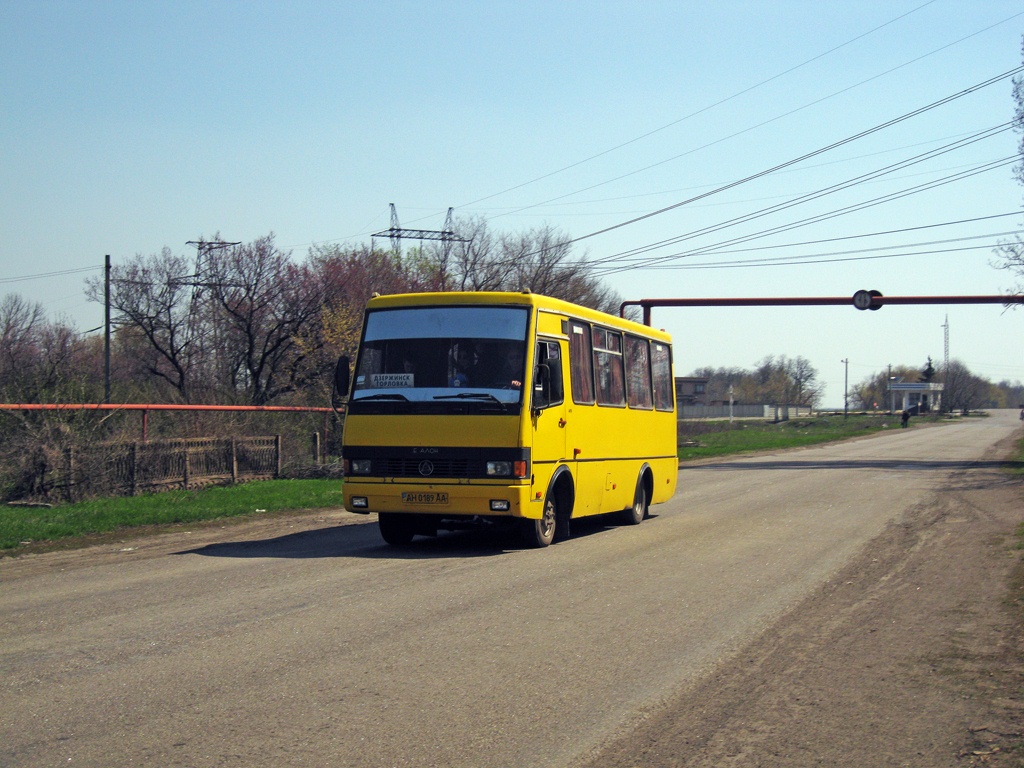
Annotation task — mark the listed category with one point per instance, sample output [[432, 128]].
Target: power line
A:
[[700, 111], [778, 246], [807, 197], [43, 275], [715, 104], [822, 217], [808, 155], [711, 185], [787, 261], [745, 130]]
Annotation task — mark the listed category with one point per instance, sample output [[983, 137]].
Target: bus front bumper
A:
[[444, 500]]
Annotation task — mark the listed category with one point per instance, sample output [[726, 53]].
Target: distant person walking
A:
[[906, 417]]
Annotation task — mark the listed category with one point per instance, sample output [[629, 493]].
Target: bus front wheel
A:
[[396, 530], [540, 533]]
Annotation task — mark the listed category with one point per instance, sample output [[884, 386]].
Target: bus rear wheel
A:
[[635, 514], [397, 530], [540, 533]]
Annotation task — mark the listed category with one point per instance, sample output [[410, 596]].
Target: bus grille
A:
[[398, 467]]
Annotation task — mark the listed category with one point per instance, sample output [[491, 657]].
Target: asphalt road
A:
[[310, 643]]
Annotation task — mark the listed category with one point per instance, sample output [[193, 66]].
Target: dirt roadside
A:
[[912, 656]]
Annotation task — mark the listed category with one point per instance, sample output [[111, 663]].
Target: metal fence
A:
[[129, 468], [744, 411]]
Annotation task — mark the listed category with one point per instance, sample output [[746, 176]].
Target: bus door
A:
[[548, 413], [584, 431]]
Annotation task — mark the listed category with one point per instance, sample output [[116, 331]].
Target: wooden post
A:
[[316, 448], [69, 473], [134, 468], [188, 466], [234, 460], [277, 455]]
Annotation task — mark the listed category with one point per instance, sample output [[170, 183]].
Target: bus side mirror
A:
[[541, 387], [342, 378]]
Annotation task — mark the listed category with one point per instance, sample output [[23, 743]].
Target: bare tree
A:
[[40, 359], [478, 263], [874, 392], [720, 380], [229, 331], [539, 260], [778, 380], [1011, 252], [805, 389], [151, 298], [348, 278], [265, 304], [962, 390], [1011, 394], [20, 322]]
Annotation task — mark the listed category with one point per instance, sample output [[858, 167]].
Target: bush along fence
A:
[[131, 468]]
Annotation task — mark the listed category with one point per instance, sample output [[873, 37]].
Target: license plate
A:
[[425, 498]]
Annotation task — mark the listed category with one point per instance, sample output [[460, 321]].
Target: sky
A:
[[690, 149]]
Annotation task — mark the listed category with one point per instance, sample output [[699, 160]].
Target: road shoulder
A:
[[910, 656]]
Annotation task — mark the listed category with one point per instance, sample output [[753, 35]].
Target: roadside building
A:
[[692, 390]]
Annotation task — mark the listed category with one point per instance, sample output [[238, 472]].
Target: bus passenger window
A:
[[638, 373], [661, 370], [609, 376], [581, 371]]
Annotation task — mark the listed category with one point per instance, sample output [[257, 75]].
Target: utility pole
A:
[[106, 329], [892, 395], [846, 386]]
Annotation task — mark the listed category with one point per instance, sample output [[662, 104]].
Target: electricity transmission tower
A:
[[396, 234], [200, 281], [203, 250]]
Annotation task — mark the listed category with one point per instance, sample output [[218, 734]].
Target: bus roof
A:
[[522, 298]]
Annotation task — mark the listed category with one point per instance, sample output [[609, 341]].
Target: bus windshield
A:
[[439, 355]]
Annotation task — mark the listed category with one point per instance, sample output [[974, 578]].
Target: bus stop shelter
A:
[[923, 395]]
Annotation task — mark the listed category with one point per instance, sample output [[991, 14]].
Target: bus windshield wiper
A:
[[395, 396], [471, 396]]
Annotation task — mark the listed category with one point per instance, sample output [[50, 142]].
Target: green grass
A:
[[19, 525], [719, 438]]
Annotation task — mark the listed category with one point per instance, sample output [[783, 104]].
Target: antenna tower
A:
[[945, 346]]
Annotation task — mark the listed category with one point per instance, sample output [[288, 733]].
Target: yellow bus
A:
[[476, 408]]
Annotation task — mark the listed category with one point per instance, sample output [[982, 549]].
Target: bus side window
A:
[[639, 393], [548, 388], [608, 373], [581, 362], [661, 373]]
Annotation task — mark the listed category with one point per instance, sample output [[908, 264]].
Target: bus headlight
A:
[[507, 469], [500, 505], [359, 502], [499, 468], [360, 466]]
